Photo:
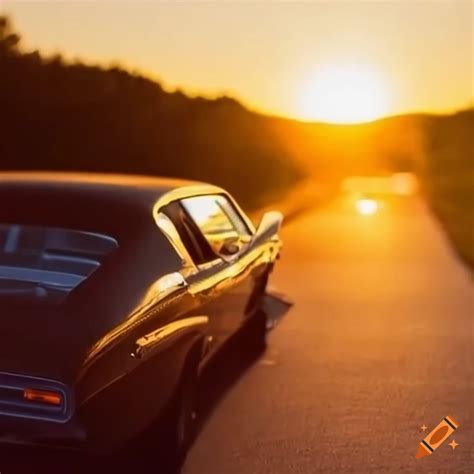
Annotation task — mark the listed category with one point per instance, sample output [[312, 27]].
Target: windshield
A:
[[43, 264]]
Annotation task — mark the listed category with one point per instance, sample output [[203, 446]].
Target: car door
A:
[[217, 238]]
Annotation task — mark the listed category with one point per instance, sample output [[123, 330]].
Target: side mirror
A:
[[269, 224]]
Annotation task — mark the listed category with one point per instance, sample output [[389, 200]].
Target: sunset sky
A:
[[336, 61]]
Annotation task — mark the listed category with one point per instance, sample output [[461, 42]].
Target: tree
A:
[[9, 40]]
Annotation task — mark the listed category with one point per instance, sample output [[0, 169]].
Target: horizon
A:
[[349, 73]]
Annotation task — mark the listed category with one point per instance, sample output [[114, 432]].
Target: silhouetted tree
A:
[[58, 115], [9, 40], [55, 115]]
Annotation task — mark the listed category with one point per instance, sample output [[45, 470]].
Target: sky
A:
[[309, 60]]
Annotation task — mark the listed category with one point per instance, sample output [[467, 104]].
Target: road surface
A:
[[379, 342]]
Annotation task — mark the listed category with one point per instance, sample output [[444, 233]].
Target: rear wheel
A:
[[167, 440], [257, 332], [180, 428], [184, 428], [257, 326]]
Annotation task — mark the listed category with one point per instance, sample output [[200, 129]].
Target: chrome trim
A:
[[184, 192], [168, 228], [199, 190], [166, 285], [169, 285], [10, 380], [211, 264], [149, 342]]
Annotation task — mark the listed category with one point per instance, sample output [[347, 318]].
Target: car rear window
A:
[[44, 264]]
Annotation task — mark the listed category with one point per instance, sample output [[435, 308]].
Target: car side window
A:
[[195, 243], [234, 215], [214, 220]]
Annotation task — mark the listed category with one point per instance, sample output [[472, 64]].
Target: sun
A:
[[345, 93]]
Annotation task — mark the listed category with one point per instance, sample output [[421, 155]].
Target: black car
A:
[[115, 292]]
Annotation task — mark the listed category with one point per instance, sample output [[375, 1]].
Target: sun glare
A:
[[344, 94], [366, 207]]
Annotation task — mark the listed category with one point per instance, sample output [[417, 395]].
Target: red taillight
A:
[[43, 396]]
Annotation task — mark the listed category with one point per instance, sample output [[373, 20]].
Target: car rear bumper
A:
[[31, 432]]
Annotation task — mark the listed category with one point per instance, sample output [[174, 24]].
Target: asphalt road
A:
[[379, 342]]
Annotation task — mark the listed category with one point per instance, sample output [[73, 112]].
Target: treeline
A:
[[448, 177], [61, 116]]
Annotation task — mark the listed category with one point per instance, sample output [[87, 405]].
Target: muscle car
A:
[[115, 292]]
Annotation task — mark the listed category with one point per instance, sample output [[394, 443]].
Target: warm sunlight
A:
[[344, 94], [367, 207]]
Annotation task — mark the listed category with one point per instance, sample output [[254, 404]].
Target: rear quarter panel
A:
[[119, 395]]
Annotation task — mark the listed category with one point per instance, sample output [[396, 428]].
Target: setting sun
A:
[[344, 94]]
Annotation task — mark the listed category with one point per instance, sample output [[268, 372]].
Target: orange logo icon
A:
[[437, 437]]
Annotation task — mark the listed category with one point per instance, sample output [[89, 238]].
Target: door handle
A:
[[152, 340]]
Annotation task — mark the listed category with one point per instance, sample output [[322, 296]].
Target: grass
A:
[[451, 199], [448, 178]]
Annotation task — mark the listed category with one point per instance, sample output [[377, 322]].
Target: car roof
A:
[[82, 194], [133, 188]]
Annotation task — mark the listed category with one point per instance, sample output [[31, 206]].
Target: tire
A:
[[180, 427], [257, 332], [184, 427], [165, 443], [257, 326]]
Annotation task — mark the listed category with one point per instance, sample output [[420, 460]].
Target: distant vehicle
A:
[[115, 292]]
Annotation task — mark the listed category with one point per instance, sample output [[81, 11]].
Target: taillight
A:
[[34, 397], [43, 396]]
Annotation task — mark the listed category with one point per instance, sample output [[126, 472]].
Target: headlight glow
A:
[[367, 207]]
